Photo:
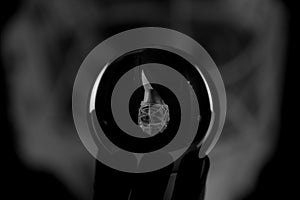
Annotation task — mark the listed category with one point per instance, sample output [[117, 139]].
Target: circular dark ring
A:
[[128, 61]]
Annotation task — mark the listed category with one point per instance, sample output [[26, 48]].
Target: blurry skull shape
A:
[[45, 42]]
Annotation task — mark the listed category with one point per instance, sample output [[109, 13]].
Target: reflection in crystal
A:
[[153, 118], [153, 114]]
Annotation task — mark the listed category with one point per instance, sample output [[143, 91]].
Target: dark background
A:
[[19, 181], [278, 179]]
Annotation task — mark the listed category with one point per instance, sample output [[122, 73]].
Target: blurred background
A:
[[43, 43]]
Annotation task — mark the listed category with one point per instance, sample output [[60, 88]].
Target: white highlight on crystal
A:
[[95, 88]]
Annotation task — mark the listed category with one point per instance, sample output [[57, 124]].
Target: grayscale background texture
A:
[[43, 43]]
